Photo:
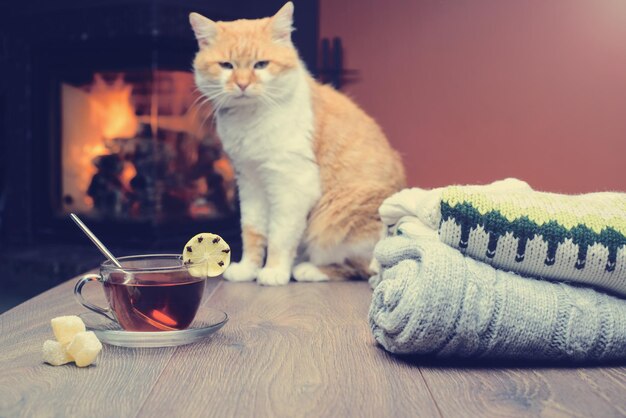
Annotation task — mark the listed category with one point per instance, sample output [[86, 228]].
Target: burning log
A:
[[109, 195]]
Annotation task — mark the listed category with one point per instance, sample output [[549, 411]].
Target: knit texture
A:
[[577, 238], [430, 299]]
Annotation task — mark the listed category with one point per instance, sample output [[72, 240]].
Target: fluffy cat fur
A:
[[312, 168]]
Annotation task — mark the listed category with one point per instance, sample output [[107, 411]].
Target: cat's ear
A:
[[204, 28], [282, 23]]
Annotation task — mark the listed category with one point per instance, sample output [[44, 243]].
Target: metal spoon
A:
[[95, 240]]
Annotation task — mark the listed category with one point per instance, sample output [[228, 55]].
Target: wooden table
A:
[[298, 350]]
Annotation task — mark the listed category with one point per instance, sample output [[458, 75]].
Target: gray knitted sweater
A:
[[430, 299]]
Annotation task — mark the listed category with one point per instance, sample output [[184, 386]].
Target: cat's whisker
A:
[[274, 97], [271, 103], [273, 89], [208, 101], [206, 118], [212, 95], [209, 88], [199, 93], [271, 100], [211, 92], [205, 101], [204, 113], [217, 103], [199, 103], [197, 106], [264, 101], [213, 104]]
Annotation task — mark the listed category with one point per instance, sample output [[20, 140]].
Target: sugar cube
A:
[[84, 348], [66, 327], [54, 353]]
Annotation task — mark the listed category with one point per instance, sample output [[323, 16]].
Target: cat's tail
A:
[[350, 269]]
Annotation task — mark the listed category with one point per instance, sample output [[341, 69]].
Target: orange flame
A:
[[96, 116], [91, 119]]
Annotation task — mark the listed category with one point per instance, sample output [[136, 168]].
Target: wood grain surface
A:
[[300, 350], [297, 350]]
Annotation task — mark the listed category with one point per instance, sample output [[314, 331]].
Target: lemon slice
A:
[[206, 255]]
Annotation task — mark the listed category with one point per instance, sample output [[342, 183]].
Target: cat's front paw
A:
[[241, 272], [273, 276]]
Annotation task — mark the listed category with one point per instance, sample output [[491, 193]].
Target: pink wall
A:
[[475, 90]]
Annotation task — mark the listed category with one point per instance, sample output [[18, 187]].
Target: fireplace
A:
[[140, 146], [101, 118]]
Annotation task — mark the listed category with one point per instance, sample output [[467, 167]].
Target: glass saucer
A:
[[207, 322]]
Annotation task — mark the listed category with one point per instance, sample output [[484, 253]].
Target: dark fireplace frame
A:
[[42, 42]]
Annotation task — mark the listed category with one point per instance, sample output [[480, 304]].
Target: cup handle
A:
[[79, 296]]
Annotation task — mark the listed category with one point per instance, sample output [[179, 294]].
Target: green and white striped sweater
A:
[[577, 238]]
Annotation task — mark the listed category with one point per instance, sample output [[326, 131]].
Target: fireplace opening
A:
[[141, 146]]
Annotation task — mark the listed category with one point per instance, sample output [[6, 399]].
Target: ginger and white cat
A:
[[312, 168]]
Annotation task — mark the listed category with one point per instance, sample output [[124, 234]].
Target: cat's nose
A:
[[242, 86]]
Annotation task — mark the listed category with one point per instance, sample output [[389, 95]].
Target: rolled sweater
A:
[[507, 224], [431, 299]]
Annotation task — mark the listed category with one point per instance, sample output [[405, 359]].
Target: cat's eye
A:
[[226, 65], [259, 65]]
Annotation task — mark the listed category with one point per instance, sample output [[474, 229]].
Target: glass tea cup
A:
[[148, 293]]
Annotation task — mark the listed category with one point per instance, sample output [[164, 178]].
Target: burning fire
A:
[[111, 108], [100, 120], [91, 119]]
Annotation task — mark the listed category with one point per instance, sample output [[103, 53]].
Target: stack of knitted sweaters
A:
[[502, 271]]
